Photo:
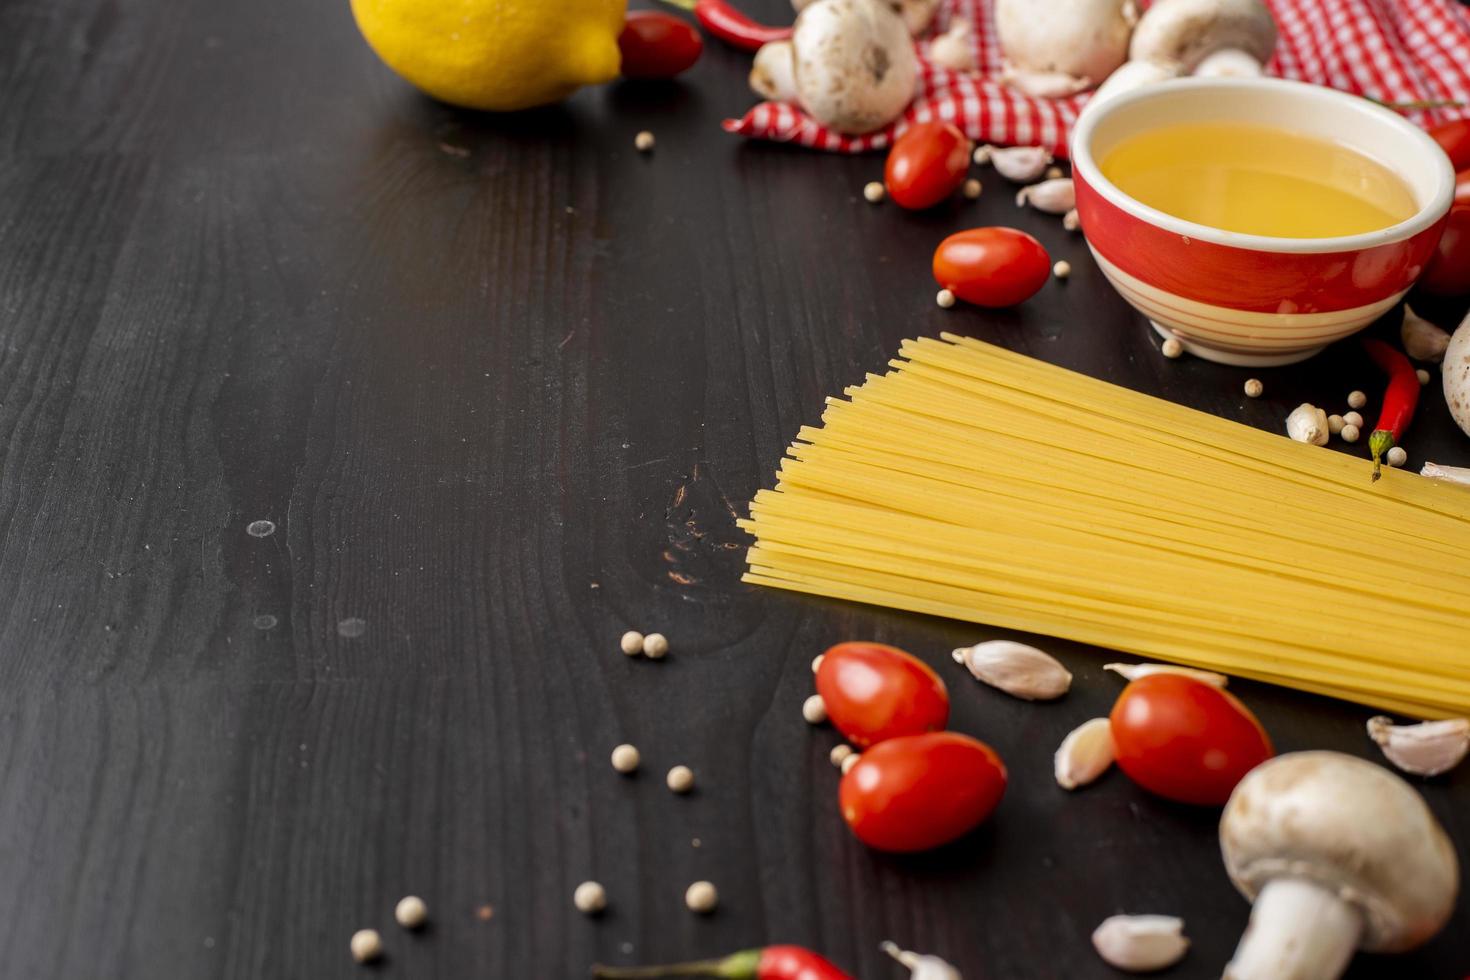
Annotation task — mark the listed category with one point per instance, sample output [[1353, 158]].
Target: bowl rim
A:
[[1084, 164]]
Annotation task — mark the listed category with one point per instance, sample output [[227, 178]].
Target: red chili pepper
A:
[[1399, 401], [770, 963], [730, 25]]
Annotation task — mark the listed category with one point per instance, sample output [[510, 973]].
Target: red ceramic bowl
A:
[[1251, 299]]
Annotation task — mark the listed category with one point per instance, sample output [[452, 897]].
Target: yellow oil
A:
[[1258, 180]]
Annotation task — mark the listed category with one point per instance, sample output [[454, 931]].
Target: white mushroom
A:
[[955, 48], [1423, 341], [1455, 375], [917, 14], [1181, 37], [853, 65], [1337, 854], [1056, 48], [773, 73]]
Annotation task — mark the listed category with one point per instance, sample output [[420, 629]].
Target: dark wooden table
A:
[[502, 385]]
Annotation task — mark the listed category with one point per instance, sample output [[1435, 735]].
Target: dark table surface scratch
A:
[[502, 387]]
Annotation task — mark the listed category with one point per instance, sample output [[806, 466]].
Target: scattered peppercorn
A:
[[680, 779], [1062, 269], [701, 897], [1350, 432], [411, 912], [1356, 399], [1422, 375], [839, 754], [1253, 388], [625, 758], [850, 761], [1396, 456], [366, 945], [1353, 418], [973, 188], [655, 646], [1172, 348], [874, 191], [643, 142], [590, 898], [944, 298], [632, 643], [814, 710]]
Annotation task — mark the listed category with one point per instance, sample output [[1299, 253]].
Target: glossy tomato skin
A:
[[991, 266], [927, 164], [1454, 137], [921, 791], [1448, 272], [875, 692], [657, 45], [1184, 739]]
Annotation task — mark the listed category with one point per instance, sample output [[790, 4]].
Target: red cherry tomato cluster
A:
[[915, 786], [657, 45], [927, 164], [991, 266], [1185, 739]]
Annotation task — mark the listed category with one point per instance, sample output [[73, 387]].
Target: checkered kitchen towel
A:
[[1393, 50]]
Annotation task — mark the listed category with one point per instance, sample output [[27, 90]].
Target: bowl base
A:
[[1231, 357]]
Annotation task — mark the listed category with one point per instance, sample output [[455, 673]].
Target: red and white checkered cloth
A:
[[1393, 50]]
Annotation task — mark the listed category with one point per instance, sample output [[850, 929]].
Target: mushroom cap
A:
[[856, 69], [1085, 40], [1351, 827], [1183, 33]]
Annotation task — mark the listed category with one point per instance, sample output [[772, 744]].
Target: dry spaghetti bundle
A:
[[976, 483]]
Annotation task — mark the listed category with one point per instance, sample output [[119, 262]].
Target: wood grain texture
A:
[[502, 385]]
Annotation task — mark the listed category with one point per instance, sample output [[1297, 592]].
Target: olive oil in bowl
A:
[[1258, 180]]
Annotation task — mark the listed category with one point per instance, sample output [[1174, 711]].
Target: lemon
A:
[[495, 54]]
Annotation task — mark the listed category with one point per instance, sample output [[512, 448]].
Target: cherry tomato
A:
[[875, 692], [920, 791], [1448, 272], [927, 164], [991, 266], [1455, 138], [657, 45], [1184, 739]]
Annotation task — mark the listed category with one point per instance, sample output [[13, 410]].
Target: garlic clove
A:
[[1423, 341], [921, 967], [1132, 672], [1308, 423], [1450, 474], [1070, 220], [1141, 943], [1056, 196], [1426, 749], [1021, 671], [1085, 754], [1021, 164]]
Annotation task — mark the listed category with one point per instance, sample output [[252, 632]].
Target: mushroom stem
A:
[[1298, 931]]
